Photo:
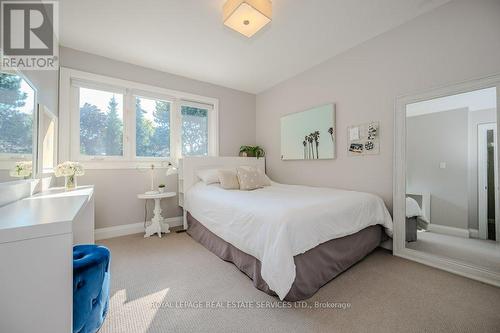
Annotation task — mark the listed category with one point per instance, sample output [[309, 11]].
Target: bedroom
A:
[[155, 104]]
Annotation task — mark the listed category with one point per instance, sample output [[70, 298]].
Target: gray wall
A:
[[116, 190], [47, 85], [432, 139], [476, 118], [453, 43]]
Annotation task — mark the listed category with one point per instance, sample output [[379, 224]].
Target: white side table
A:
[[156, 223]]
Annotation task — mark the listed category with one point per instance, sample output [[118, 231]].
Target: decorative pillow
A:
[[229, 180], [208, 176], [249, 179], [264, 179]]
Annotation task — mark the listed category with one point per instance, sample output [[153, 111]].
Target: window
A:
[[17, 106], [112, 123], [194, 131], [101, 123], [152, 127]]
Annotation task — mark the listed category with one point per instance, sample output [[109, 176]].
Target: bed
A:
[[290, 240], [417, 214]]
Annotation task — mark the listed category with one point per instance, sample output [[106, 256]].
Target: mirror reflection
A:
[[452, 205], [17, 123]]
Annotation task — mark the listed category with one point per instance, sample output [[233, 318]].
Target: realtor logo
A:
[[29, 35]]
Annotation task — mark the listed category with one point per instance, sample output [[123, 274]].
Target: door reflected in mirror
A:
[[452, 205]]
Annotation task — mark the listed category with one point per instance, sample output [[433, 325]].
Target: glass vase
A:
[[70, 182]]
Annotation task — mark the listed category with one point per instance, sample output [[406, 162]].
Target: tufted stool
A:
[[90, 287]]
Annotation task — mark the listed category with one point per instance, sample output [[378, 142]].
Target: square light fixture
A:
[[247, 16]]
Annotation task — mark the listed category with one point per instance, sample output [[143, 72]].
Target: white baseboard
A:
[[129, 229], [473, 233], [452, 231]]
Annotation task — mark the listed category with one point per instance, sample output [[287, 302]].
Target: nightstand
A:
[[157, 222]]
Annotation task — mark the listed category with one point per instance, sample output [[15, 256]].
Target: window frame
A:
[[75, 133], [9, 160], [69, 120], [212, 120]]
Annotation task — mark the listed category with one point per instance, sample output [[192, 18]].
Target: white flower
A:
[[69, 168], [22, 169]]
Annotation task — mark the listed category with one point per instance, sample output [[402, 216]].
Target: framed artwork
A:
[[309, 135]]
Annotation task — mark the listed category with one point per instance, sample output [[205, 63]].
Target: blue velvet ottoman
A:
[[90, 287]]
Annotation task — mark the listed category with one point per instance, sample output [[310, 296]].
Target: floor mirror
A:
[[446, 197]]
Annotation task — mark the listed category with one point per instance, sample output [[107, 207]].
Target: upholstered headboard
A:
[[189, 165]]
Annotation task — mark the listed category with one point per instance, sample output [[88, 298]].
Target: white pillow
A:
[[229, 180], [208, 176], [264, 179]]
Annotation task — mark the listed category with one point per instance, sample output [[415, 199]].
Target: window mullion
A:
[[74, 149], [175, 131], [129, 127]]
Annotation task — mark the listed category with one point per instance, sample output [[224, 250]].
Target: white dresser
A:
[[37, 234]]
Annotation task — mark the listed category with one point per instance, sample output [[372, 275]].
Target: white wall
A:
[[453, 43], [116, 190], [47, 85], [432, 139]]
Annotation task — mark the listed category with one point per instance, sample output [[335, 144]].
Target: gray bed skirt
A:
[[314, 268]]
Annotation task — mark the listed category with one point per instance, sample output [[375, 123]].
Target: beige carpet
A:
[[467, 250], [157, 284]]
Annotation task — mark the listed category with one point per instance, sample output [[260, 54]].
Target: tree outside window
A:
[[101, 123], [194, 131], [17, 105], [152, 121]]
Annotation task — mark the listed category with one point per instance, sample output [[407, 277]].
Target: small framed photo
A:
[[363, 139]]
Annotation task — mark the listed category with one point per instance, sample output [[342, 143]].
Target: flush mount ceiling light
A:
[[247, 16]]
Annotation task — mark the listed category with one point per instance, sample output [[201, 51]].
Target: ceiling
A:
[[187, 37]]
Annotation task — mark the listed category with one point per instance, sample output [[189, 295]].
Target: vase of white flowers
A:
[[22, 169], [69, 170]]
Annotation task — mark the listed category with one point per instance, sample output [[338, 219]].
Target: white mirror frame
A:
[[40, 172], [399, 181]]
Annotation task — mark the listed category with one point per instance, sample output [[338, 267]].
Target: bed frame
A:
[[314, 268], [188, 166]]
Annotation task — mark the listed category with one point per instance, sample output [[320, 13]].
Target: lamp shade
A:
[[247, 16], [171, 170]]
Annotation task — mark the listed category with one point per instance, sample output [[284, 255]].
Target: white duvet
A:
[[413, 209], [277, 222]]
